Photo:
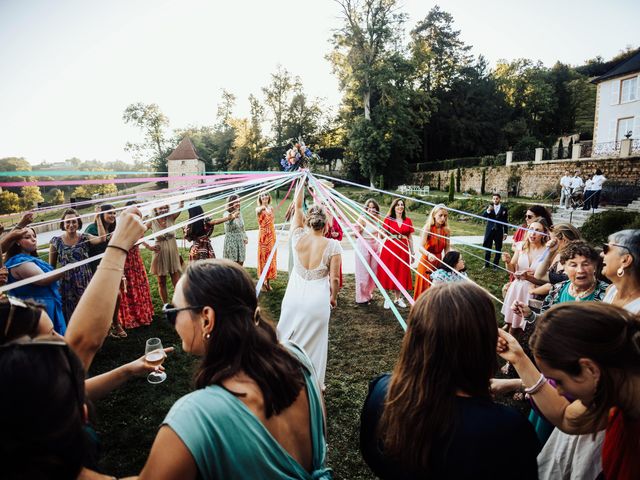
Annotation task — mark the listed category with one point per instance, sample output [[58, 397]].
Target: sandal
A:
[[118, 332]]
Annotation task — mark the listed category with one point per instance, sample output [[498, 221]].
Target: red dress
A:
[[621, 448], [136, 307], [266, 242], [395, 254], [435, 245], [335, 228]]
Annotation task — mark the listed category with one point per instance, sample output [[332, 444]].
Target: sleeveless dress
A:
[[47, 295], [201, 248], [435, 245], [395, 254], [234, 240], [74, 282], [304, 317], [364, 281], [136, 306], [167, 260], [266, 242], [227, 440], [518, 291]]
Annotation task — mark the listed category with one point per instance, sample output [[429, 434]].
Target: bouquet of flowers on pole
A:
[[297, 157]]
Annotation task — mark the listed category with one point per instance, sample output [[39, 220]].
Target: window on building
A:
[[182, 162], [625, 125], [629, 90]]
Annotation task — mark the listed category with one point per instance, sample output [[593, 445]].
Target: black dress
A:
[[491, 441]]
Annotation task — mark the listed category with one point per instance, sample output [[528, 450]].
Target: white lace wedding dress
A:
[[304, 317]]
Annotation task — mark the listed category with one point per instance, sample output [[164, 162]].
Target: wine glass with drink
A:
[[154, 355]]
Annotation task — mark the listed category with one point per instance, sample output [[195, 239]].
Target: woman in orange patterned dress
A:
[[266, 238], [435, 244]]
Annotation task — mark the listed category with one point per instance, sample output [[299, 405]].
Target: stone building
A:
[[618, 103], [184, 162]]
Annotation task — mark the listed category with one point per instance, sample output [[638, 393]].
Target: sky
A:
[[69, 68]]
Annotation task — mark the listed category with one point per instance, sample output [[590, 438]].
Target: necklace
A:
[[579, 296]]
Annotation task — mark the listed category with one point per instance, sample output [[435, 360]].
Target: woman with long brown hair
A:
[[434, 416], [257, 411]]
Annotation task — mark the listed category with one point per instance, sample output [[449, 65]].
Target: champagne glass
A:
[[154, 355]]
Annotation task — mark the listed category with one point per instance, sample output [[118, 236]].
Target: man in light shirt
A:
[[565, 190], [598, 179]]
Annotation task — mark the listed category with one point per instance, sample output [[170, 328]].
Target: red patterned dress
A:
[[435, 244], [136, 307], [336, 229], [266, 242], [395, 254]]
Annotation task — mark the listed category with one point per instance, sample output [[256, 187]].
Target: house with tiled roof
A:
[[617, 114], [184, 162]]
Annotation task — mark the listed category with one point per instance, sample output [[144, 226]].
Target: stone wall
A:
[[532, 179]]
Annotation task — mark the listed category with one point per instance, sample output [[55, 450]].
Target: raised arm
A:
[[92, 317], [175, 215], [298, 217]]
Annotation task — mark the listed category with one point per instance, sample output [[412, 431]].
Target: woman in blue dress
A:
[[22, 263]]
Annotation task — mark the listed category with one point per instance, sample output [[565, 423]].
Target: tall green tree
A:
[[30, 196], [278, 95], [153, 123], [9, 202]]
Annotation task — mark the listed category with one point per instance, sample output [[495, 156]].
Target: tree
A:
[[483, 181], [80, 192], [225, 109], [458, 179], [452, 188], [278, 98], [303, 118], [9, 202], [57, 196], [560, 149], [31, 196], [152, 122]]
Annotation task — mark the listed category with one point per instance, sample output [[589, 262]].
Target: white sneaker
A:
[[386, 305], [400, 302]]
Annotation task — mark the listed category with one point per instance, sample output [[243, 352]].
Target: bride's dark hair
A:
[[242, 340]]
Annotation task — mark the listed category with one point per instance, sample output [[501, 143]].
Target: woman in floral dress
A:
[[266, 238], [235, 238], [70, 247]]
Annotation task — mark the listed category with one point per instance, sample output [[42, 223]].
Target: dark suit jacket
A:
[[493, 227]]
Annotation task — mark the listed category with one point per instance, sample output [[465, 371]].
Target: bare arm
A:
[[169, 458], [298, 217], [53, 256], [93, 240], [30, 269], [92, 317], [334, 277]]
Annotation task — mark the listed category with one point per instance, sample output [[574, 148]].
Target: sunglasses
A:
[[15, 304], [528, 216], [171, 312], [606, 247], [28, 342]]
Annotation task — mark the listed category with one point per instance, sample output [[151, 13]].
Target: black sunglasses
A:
[[171, 312], [606, 247], [528, 216]]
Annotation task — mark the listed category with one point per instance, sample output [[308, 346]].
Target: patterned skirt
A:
[[201, 249], [136, 307]]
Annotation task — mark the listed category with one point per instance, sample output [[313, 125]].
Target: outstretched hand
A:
[[140, 368], [508, 347], [129, 229]]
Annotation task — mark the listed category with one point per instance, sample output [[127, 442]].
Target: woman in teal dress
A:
[[22, 263], [257, 410]]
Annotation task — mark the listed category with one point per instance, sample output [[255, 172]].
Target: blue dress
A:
[[47, 295]]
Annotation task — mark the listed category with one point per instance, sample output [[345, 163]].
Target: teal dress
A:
[[228, 441], [47, 295]]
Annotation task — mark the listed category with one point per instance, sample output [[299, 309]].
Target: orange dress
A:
[[435, 245], [266, 242]]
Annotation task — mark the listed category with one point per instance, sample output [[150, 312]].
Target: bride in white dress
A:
[[313, 285]]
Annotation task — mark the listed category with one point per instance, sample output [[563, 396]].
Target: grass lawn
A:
[[363, 342]]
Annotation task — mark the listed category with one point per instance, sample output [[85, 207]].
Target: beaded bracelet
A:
[[536, 387]]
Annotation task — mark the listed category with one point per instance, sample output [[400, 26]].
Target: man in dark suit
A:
[[495, 232]]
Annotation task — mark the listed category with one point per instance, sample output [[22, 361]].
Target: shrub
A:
[[452, 187], [599, 226], [458, 179], [517, 212], [483, 181]]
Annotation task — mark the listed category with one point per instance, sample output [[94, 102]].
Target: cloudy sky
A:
[[70, 67]]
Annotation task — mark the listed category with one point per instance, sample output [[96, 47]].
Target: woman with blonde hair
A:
[[433, 416], [166, 260], [434, 243], [266, 238]]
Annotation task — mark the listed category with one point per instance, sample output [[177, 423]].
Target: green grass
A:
[[363, 342]]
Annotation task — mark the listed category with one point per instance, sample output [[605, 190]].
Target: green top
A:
[[228, 441], [565, 296]]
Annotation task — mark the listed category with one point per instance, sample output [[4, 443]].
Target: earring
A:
[[206, 336], [620, 272]]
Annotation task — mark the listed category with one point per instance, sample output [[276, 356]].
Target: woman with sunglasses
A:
[[42, 406], [257, 411]]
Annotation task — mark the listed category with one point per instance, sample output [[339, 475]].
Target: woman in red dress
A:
[[334, 231], [136, 307], [435, 242], [396, 252], [266, 238]]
